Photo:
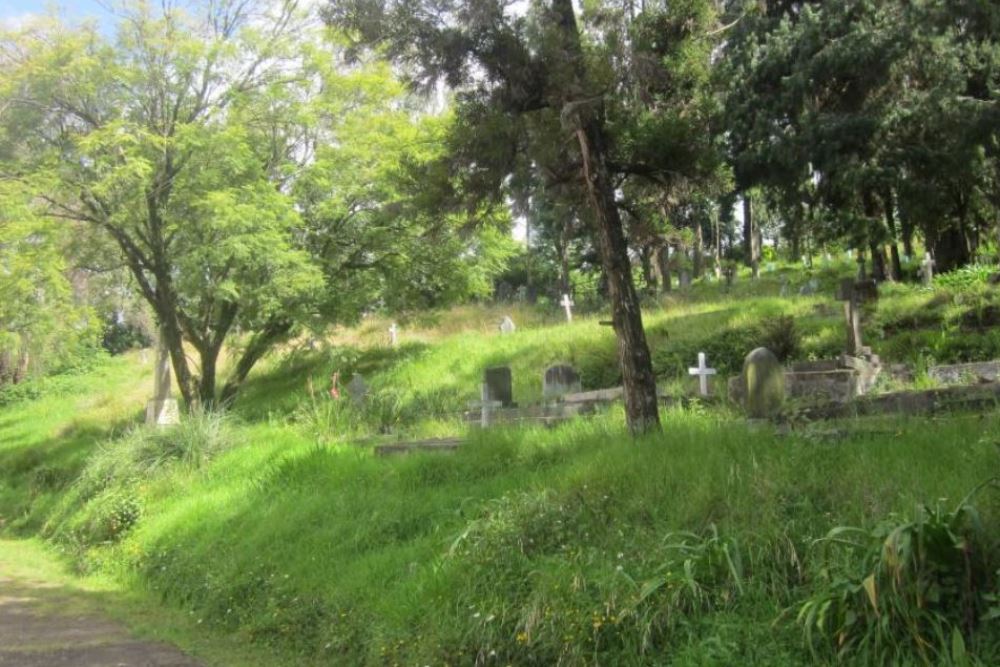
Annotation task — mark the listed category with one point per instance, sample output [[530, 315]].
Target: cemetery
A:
[[486, 334]]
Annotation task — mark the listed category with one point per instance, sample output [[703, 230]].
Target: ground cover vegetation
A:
[[710, 543], [264, 188]]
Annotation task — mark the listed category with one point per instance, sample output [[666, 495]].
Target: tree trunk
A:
[[747, 229], [264, 340], [662, 256], [888, 206], [878, 262], [563, 250], [206, 386], [648, 274], [699, 243], [639, 383]]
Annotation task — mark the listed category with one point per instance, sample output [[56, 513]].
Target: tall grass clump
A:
[[105, 500], [911, 588]]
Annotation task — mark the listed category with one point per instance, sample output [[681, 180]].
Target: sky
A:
[[13, 12]]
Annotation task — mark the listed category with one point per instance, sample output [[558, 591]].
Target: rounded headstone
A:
[[765, 384]]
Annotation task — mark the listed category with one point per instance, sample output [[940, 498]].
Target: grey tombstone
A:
[[764, 380], [927, 269], [560, 380], [507, 325], [162, 409], [729, 273], [770, 267], [784, 287], [357, 389], [498, 386], [685, 279], [393, 335], [809, 288]]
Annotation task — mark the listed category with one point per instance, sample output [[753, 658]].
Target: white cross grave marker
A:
[[702, 371], [393, 333], [567, 303]]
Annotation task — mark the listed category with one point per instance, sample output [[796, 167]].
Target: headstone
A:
[[685, 279], [809, 288], [357, 389], [927, 269], [771, 266], [507, 325], [784, 287], [162, 409], [393, 335], [498, 386], [702, 371], [567, 304], [764, 379], [729, 273], [560, 380]]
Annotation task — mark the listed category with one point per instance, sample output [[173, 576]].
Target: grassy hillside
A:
[[571, 545]]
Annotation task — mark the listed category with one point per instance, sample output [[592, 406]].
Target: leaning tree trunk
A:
[[639, 383], [699, 244], [747, 229]]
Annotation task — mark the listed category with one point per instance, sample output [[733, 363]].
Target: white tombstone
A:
[[927, 269], [507, 325], [702, 371], [393, 335], [567, 304], [357, 389], [162, 409]]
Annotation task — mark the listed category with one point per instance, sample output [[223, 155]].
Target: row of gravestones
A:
[[557, 381]]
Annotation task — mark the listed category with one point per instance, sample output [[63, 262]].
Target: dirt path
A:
[[49, 623]]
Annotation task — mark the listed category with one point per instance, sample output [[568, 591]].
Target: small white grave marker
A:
[[702, 371], [927, 268], [393, 334], [567, 304]]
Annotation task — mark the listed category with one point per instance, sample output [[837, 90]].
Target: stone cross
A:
[[162, 409], [486, 406], [854, 294], [702, 371], [567, 304], [927, 269], [393, 335]]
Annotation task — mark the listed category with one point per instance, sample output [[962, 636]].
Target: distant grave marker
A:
[[393, 335], [560, 380], [162, 409], [357, 389], [764, 379], [507, 325], [927, 269], [498, 385], [567, 304]]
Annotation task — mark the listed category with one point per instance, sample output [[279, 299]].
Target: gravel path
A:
[[43, 624]]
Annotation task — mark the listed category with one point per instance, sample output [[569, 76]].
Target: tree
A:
[[538, 89], [228, 160]]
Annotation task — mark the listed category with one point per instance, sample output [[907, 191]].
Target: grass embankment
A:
[[572, 545]]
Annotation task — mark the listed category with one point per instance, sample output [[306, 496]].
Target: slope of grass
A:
[[571, 545]]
